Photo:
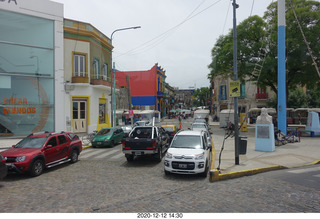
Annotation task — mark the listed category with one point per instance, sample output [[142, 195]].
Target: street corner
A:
[[216, 175], [86, 147]]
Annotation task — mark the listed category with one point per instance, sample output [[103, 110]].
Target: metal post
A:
[[113, 110], [282, 100], [114, 96], [236, 122], [111, 88]]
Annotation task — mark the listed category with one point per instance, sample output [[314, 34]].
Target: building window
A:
[[242, 91], [96, 71], [79, 65], [105, 72], [223, 92], [102, 113], [26, 74]]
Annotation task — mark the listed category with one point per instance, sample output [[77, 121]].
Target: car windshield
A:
[[186, 141], [105, 132], [168, 129], [143, 132], [31, 143]]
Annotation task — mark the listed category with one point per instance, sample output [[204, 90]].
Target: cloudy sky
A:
[[176, 34]]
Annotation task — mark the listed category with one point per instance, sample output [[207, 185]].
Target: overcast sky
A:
[[176, 34]]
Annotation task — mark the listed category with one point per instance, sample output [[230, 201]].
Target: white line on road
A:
[[107, 153], [90, 153], [117, 156], [306, 170]]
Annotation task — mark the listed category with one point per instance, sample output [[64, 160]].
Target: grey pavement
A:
[[305, 152]]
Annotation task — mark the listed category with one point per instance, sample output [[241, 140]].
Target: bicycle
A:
[[282, 139], [87, 139]]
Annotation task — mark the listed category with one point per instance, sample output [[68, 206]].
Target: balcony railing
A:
[[80, 77], [262, 96]]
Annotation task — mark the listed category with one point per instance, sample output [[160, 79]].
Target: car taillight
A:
[[154, 144], [123, 143]]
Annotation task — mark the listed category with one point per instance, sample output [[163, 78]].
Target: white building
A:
[[31, 67], [87, 75]]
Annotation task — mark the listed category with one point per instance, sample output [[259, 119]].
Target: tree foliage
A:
[[200, 97], [257, 43]]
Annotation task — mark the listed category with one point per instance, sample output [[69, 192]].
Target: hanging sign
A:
[[234, 89]]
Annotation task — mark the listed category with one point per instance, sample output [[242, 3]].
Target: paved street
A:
[[103, 181], [116, 186]]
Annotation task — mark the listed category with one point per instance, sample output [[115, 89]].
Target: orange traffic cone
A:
[[180, 125]]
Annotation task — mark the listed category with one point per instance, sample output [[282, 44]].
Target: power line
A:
[[304, 38], [225, 20], [252, 8], [157, 40]]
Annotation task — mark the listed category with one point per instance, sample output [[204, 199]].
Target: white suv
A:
[[189, 153]]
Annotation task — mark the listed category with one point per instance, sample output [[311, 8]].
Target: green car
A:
[[107, 137]]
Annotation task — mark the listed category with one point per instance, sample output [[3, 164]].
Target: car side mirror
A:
[[13, 145], [49, 146]]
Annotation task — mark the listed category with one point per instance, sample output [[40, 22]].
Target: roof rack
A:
[[37, 133]]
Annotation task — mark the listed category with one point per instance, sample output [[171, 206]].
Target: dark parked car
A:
[[171, 130], [145, 140], [3, 167]]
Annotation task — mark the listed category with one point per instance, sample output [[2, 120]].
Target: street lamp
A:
[[113, 79]]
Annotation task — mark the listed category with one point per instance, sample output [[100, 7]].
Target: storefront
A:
[[31, 67]]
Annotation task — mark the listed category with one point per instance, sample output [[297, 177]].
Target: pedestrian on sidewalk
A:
[[230, 128]]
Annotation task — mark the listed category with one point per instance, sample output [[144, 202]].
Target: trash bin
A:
[[243, 144]]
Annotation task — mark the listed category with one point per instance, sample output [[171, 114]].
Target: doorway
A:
[[79, 115]]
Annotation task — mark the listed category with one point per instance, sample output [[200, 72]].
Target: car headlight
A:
[[168, 155], [199, 156], [20, 159]]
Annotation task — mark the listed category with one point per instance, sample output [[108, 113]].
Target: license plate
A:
[[183, 166], [138, 153], [98, 142]]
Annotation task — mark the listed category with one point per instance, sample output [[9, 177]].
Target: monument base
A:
[[264, 137]]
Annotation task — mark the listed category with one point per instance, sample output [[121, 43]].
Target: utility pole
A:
[[236, 120], [282, 99], [113, 104]]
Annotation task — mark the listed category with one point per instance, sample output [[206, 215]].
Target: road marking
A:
[[117, 156], [306, 170], [317, 175], [106, 154], [90, 153]]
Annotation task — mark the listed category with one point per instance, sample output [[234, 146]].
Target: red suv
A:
[[42, 150]]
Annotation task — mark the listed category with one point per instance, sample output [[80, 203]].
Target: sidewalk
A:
[[305, 152]]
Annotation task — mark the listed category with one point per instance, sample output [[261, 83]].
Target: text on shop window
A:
[[17, 110]]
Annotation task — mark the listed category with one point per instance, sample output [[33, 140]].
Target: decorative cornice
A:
[[92, 34]]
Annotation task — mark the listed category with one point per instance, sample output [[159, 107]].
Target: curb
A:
[[216, 176], [85, 147]]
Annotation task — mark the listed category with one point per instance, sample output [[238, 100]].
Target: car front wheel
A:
[[37, 168], [74, 156]]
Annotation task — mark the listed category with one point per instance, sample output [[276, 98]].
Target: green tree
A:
[[257, 43], [201, 96]]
